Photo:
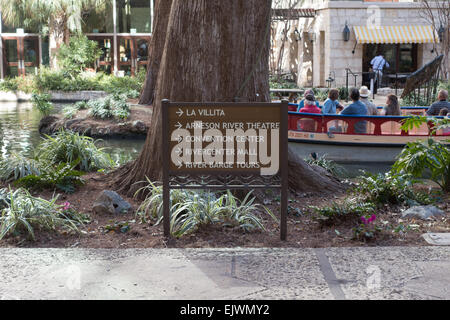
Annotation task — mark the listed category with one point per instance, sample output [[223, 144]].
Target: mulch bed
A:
[[303, 229]]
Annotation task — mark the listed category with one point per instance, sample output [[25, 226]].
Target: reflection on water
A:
[[19, 123]]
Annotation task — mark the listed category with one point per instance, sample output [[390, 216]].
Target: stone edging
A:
[[57, 96]]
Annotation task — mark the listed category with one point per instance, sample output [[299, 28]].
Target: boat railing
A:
[[359, 125]]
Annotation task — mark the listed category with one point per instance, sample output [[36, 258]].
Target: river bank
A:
[[135, 126]]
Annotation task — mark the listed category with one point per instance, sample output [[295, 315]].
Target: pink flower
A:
[[364, 220], [372, 218], [66, 205]]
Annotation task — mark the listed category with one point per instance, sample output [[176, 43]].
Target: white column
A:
[[151, 16], [116, 65], [40, 51]]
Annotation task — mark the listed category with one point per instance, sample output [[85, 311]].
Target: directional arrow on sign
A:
[[179, 164], [179, 112], [178, 150], [180, 139], [179, 125]]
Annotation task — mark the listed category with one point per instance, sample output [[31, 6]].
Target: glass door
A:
[[126, 52], [30, 55], [11, 60], [133, 54], [142, 51]]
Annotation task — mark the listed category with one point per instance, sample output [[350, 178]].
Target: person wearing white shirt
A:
[[378, 63]]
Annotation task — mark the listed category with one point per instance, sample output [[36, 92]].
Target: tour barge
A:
[[335, 137]]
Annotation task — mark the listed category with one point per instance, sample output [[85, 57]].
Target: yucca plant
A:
[[329, 165], [191, 209], [24, 213], [68, 146], [17, 166]]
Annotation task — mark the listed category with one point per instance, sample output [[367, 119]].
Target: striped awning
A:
[[396, 34]]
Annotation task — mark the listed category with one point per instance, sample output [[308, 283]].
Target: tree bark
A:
[[214, 51], [162, 9]]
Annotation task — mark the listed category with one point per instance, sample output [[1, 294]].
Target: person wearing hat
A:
[[364, 92], [309, 125], [310, 104], [301, 105]]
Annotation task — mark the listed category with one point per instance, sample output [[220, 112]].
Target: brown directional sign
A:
[[237, 138], [247, 141]]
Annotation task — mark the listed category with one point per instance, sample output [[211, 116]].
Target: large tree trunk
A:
[[214, 50], [162, 9]]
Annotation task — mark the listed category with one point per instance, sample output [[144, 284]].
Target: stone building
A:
[[316, 49]]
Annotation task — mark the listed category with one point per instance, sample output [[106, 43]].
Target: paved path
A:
[[332, 273]]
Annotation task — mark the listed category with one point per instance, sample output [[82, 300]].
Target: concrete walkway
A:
[[332, 273]]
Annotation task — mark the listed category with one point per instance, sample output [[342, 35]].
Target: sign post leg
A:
[[284, 168], [166, 187]]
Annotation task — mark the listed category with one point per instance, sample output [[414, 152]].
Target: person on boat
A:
[[309, 125], [357, 108], [364, 92], [310, 104], [331, 105], [392, 107], [301, 105], [440, 104]]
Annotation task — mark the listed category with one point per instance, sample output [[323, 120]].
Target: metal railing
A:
[[376, 80]]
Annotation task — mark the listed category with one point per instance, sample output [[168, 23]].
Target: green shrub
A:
[[337, 212], [68, 146], [111, 106], [321, 94], [390, 188], [420, 156], [62, 177], [281, 83], [191, 209], [80, 53], [70, 111], [41, 101], [9, 85], [22, 214]]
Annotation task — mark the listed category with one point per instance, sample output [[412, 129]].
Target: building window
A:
[[99, 21], [134, 15]]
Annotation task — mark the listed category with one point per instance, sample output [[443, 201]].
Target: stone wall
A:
[[333, 54]]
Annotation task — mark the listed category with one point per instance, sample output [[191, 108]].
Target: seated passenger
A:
[[331, 105], [364, 92], [301, 105], [392, 107], [309, 125], [357, 108], [310, 105], [441, 104]]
